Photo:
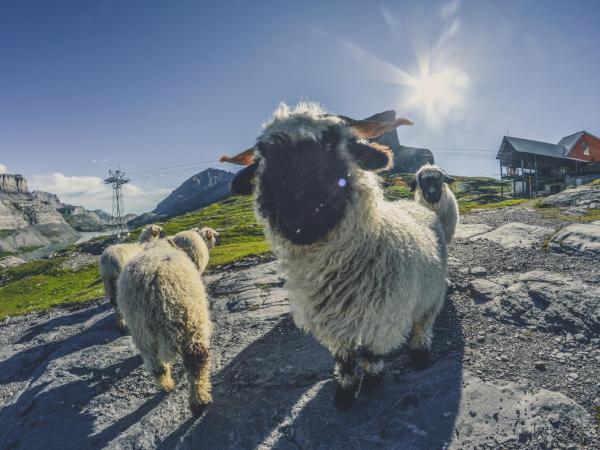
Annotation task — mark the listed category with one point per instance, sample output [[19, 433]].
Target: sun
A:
[[438, 93]]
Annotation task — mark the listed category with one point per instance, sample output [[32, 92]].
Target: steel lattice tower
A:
[[117, 179]]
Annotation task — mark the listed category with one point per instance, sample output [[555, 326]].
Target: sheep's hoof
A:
[[121, 325], [198, 408], [344, 398], [420, 358], [165, 383], [371, 383]]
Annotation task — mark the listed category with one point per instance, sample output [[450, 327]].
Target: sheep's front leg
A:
[[347, 377], [372, 366], [420, 343], [161, 372], [110, 290], [196, 360]]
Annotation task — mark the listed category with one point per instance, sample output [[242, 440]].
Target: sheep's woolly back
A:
[[112, 261], [194, 246], [164, 302], [378, 272]]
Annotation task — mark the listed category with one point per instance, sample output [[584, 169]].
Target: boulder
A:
[[485, 290], [467, 230], [587, 196], [516, 235], [9, 261], [549, 301], [577, 239]]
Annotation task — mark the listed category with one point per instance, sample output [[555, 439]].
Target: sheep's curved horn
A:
[[370, 129], [241, 159]]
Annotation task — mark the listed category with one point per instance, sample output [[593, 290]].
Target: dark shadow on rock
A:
[[61, 424], [67, 320], [413, 409], [31, 363], [257, 389], [101, 439], [279, 392]]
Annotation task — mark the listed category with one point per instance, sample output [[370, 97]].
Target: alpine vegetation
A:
[[430, 186], [364, 275], [113, 259], [163, 300]]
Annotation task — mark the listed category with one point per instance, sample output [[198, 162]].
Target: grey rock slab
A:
[[485, 290], [577, 239], [467, 230], [549, 301], [581, 196], [516, 235]]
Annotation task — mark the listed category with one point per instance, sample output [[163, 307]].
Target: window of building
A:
[[586, 149]]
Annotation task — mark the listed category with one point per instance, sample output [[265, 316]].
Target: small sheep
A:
[[430, 186], [163, 301], [151, 233], [363, 274], [210, 238], [116, 256]]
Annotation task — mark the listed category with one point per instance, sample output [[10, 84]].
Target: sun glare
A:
[[438, 93]]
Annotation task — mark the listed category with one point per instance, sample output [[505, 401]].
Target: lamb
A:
[[162, 298], [114, 258], [430, 186], [363, 274]]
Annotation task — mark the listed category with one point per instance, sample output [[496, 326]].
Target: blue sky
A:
[[161, 89]]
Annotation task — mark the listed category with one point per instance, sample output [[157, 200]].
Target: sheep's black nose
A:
[[162, 235], [218, 240]]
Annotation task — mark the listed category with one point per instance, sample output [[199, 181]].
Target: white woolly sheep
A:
[[114, 258], [163, 301], [363, 274], [199, 254], [430, 186]]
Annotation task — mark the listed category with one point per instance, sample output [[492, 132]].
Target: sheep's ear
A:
[[413, 184], [242, 182], [241, 159], [209, 234], [370, 129], [448, 179], [371, 156]]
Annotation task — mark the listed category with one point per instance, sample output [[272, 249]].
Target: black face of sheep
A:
[[431, 183], [304, 184], [304, 187]]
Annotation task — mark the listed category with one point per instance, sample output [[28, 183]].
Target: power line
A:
[[176, 165]]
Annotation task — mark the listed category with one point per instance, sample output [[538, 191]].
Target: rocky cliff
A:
[[12, 184], [406, 159], [29, 219]]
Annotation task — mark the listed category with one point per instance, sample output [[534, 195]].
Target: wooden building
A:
[[536, 167]]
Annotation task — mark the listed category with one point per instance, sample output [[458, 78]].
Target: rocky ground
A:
[[516, 362]]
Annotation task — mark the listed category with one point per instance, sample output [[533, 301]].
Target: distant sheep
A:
[[151, 233], [114, 258], [363, 274], [162, 298], [210, 238], [430, 186]]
